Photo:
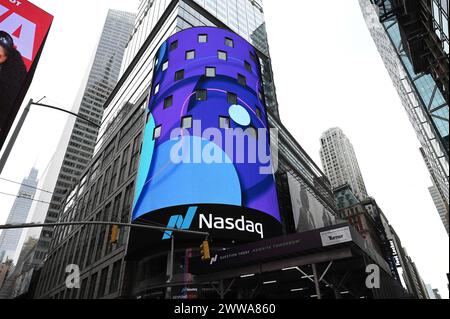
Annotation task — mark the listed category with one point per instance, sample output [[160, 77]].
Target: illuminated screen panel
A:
[[23, 30], [206, 162]]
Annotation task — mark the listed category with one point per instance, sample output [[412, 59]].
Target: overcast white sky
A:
[[327, 72]]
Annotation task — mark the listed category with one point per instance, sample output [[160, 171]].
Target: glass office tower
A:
[[420, 93]]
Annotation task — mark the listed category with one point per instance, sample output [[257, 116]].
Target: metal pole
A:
[[189, 232], [68, 112], [170, 267], [16, 132], [13, 138], [221, 290], [316, 281]]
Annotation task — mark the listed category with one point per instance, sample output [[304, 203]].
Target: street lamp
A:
[[19, 125]]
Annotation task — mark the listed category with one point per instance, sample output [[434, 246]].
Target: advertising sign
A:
[[307, 211], [268, 250], [206, 163], [336, 236], [23, 30]]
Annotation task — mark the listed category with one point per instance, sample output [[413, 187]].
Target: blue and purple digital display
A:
[[207, 86]]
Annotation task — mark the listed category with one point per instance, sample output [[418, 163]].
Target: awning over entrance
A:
[[323, 263]]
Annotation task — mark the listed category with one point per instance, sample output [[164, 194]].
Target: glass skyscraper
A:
[[422, 97], [9, 238]]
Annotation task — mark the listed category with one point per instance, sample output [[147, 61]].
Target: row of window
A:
[[221, 55], [97, 286], [210, 72], [91, 243], [186, 123], [87, 202], [202, 95], [203, 38]]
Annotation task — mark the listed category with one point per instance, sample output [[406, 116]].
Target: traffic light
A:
[[114, 234], [204, 251]]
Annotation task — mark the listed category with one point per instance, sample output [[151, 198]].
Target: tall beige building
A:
[[339, 162]]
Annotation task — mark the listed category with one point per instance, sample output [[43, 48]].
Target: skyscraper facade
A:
[[9, 239], [417, 286], [440, 206], [102, 79], [420, 91], [107, 186], [339, 162]]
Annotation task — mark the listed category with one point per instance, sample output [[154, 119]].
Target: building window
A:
[[114, 175], [202, 38], [157, 132], [92, 284], [135, 154], [242, 80], [248, 66], [222, 55], [174, 45], [83, 288], [252, 56], [224, 122], [168, 102], [190, 55], [156, 89], [179, 75], [165, 65], [186, 122], [125, 157], [102, 284], [210, 71], [201, 95], [232, 98], [115, 276], [229, 42]]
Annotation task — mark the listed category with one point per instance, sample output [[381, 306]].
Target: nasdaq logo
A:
[[180, 222]]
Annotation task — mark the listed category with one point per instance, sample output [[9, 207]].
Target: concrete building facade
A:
[[339, 162]]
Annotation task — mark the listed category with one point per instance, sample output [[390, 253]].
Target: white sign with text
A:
[[336, 236]]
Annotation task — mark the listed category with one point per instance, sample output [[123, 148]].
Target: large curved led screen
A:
[[206, 163]]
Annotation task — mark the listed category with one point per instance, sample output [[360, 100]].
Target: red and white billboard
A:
[[23, 31], [27, 24]]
